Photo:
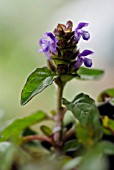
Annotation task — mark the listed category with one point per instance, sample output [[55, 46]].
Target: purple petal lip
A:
[[85, 53], [82, 24], [85, 35], [87, 62], [49, 34]]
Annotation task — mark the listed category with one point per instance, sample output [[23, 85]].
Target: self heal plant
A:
[[78, 139], [64, 62]]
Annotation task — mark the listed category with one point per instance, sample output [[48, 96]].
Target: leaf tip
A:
[[22, 102]]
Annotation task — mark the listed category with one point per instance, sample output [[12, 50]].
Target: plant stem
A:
[[36, 137], [59, 117], [59, 96], [70, 133]]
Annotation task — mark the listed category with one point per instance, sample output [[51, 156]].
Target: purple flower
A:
[[78, 32], [48, 44], [82, 59]]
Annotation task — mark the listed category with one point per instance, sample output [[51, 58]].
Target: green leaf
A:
[[15, 129], [94, 163], [89, 74], [106, 94], [44, 163], [46, 130], [36, 82], [66, 78], [73, 163], [71, 145], [85, 136], [105, 147], [84, 109]]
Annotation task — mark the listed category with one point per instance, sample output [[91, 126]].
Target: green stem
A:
[[59, 96], [59, 116]]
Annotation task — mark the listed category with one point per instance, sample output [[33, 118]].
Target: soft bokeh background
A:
[[22, 23]]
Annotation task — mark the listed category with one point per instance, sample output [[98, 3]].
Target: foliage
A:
[[37, 81], [84, 109], [78, 143]]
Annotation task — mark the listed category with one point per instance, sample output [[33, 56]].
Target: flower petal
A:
[[48, 55], [40, 51], [78, 63], [87, 62], [85, 35], [85, 53], [48, 44], [49, 34], [82, 24], [77, 35]]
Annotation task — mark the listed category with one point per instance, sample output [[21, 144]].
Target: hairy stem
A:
[[59, 96], [59, 117]]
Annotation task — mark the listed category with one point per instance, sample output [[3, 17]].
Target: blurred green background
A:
[[22, 23]]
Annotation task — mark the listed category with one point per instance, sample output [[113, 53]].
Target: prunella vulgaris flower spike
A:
[[60, 47]]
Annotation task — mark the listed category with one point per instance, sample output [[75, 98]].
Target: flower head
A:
[[83, 59], [48, 44], [61, 49], [79, 32]]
